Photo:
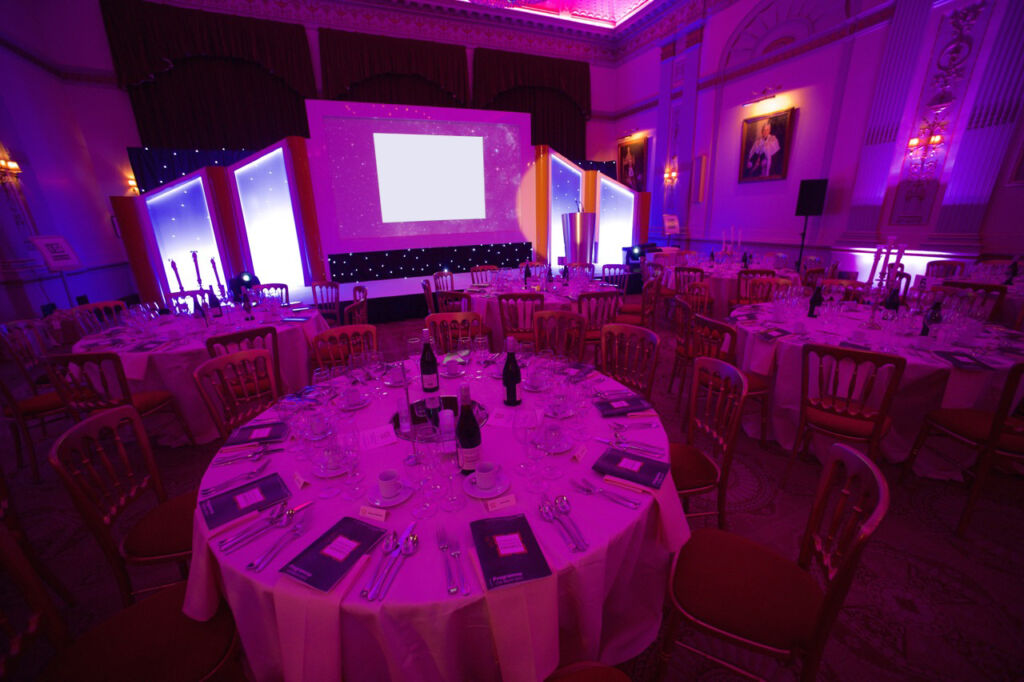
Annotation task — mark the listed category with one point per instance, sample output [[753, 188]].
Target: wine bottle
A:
[[428, 368], [511, 377], [816, 299], [446, 432], [526, 276], [892, 301], [931, 318], [215, 309], [467, 433]]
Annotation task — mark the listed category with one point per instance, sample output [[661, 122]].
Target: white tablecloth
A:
[[604, 604], [169, 367]]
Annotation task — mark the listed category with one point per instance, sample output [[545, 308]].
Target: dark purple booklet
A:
[[266, 432], [333, 554], [252, 496], [508, 551], [617, 407], [649, 473]]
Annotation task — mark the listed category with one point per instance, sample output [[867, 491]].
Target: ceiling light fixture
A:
[[768, 93]]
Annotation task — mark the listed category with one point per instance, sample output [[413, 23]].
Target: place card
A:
[[252, 496], [377, 437], [508, 551], [619, 406], [266, 432], [375, 513], [500, 503], [631, 467], [325, 562], [502, 417], [299, 480]]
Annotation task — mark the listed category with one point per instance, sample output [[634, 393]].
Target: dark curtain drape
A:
[[555, 92], [201, 80], [368, 68], [154, 167]]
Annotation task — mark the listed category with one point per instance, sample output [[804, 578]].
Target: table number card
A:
[[635, 468], [378, 437], [499, 503], [253, 496], [325, 562], [508, 551]]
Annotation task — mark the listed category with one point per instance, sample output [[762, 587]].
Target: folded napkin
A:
[[237, 502], [644, 471]]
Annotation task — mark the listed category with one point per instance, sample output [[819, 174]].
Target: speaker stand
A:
[[803, 237]]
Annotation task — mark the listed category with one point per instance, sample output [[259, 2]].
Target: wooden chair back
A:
[[247, 339], [990, 296], [852, 289], [87, 382], [698, 296], [851, 500], [482, 274], [577, 268], [653, 270], [429, 296], [812, 277], [23, 346], [617, 275], [237, 387], [757, 289], [277, 290], [598, 308], [561, 331], [629, 354], [357, 312], [1008, 419], [29, 616], [534, 264], [743, 280], [812, 262], [713, 339], [105, 463], [849, 384], [649, 301], [516, 312], [447, 328], [360, 293], [444, 281], [108, 313], [333, 347], [194, 299], [716, 406], [327, 300], [944, 269], [685, 276], [454, 302]]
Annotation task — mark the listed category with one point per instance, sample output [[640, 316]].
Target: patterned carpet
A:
[[925, 605]]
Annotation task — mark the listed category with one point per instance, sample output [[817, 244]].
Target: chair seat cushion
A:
[[151, 640], [975, 425], [40, 404], [146, 401], [636, 320], [849, 426], [588, 672], [691, 468], [741, 587], [757, 383], [164, 530]]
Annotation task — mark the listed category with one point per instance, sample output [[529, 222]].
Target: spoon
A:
[[296, 530], [409, 548], [547, 513], [224, 485], [563, 507], [619, 426], [387, 545], [279, 522]]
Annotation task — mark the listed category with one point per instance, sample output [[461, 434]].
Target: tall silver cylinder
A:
[[578, 230]]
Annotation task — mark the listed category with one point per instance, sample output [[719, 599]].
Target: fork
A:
[[456, 554], [256, 526], [442, 544], [224, 485], [588, 488], [293, 533], [280, 521]]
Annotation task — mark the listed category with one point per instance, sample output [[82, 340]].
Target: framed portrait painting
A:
[[632, 166], [765, 142]]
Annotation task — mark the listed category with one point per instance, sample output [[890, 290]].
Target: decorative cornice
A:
[[64, 73]]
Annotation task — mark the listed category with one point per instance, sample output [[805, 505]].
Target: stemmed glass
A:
[[352, 483], [481, 349], [429, 484], [376, 366], [526, 422]]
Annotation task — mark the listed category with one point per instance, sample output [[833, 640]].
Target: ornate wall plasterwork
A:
[[467, 24], [953, 57], [774, 24]]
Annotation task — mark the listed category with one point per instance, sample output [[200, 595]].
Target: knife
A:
[[639, 448], [375, 590], [228, 547]]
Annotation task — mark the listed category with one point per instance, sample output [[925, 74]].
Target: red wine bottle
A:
[[467, 433], [511, 377], [428, 369]]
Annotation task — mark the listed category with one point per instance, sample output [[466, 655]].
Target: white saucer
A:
[[333, 474], [548, 412], [460, 370], [563, 445], [386, 502], [352, 407], [501, 484]]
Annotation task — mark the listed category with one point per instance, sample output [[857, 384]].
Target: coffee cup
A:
[[389, 484], [487, 475]]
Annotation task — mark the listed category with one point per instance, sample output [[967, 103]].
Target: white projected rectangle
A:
[[430, 177]]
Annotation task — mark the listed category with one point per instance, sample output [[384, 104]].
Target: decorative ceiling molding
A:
[[775, 24], [463, 23]]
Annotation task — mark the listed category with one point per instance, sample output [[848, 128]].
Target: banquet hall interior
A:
[[512, 340]]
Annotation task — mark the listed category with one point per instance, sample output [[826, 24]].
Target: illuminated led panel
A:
[[181, 224], [566, 197], [614, 221], [266, 202]]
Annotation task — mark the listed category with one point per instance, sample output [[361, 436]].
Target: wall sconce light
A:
[[671, 172], [133, 186], [8, 170], [923, 148], [768, 93]]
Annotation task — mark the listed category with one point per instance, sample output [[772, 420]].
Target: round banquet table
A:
[[162, 355], [929, 381], [721, 279], [602, 604], [485, 302]]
